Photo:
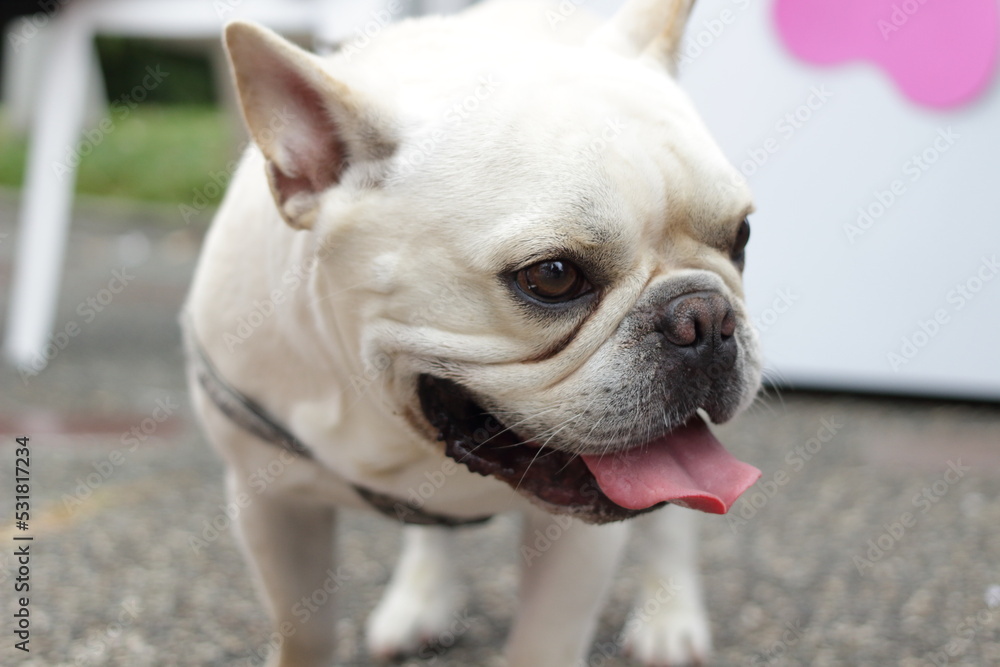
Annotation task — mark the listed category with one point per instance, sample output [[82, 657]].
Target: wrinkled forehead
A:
[[590, 168], [557, 144]]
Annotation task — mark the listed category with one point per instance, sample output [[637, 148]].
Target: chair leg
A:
[[48, 191], [24, 50]]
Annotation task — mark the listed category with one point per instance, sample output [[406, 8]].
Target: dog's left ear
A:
[[310, 126], [649, 29]]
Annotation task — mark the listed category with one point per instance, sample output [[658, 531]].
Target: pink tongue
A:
[[687, 467]]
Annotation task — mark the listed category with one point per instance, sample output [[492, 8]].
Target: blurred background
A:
[[868, 131]]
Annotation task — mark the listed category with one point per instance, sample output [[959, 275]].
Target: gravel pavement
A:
[[873, 537]]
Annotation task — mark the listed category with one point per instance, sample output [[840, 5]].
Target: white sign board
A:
[[873, 263]]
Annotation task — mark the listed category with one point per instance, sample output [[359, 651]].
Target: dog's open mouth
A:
[[686, 467]]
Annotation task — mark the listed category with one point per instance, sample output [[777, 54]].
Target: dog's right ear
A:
[[310, 127], [646, 28]]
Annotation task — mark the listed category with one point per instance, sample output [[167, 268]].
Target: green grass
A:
[[154, 153]]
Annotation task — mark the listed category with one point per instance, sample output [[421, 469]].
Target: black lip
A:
[[557, 480]]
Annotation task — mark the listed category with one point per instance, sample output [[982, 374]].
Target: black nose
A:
[[703, 324]]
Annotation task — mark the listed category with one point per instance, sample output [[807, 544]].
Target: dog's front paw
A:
[[407, 619], [671, 635]]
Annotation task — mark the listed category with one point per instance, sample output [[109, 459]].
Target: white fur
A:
[[388, 269]]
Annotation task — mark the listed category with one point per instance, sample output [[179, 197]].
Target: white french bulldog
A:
[[476, 264]]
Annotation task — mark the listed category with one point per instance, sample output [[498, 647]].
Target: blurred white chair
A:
[[55, 83]]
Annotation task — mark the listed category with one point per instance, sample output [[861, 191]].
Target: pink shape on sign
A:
[[941, 53]]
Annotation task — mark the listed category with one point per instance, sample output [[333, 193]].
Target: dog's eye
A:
[[553, 281], [738, 254]]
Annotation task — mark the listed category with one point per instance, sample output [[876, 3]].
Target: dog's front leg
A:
[[668, 625], [567, 567], [290, 544], [420, 601]]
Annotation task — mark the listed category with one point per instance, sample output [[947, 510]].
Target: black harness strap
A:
[[242, 410], [404, 511], [254, 419]]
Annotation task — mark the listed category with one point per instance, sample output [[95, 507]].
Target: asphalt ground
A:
[[873, 537]]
